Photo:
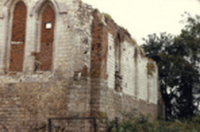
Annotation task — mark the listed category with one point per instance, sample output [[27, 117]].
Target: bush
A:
[[132, 122]]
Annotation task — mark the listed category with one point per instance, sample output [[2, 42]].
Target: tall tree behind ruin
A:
[[178, 62]]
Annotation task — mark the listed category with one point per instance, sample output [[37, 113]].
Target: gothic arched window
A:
[[47, 37], [18, 37]]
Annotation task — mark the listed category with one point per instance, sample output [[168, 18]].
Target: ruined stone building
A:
[[61, 58]]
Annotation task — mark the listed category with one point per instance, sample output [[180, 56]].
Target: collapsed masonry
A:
[[61, 58]]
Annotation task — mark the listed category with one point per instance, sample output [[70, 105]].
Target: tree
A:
[[178, 59]]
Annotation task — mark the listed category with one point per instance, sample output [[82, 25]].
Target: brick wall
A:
[[98, 49], [93, 68], [47, 38], [71, 39], [113, 103], [23, 107], [18, 37], [107, 99], [128, 69], [111, 62], [26, 106]]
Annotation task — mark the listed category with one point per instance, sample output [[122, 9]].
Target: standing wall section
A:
[[28, 98], [128, 69], [72, 36], [111, 62], [98, 53], [88, 76], [142, 78], [134, 92]]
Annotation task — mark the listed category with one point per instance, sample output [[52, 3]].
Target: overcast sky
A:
[[143, 17]]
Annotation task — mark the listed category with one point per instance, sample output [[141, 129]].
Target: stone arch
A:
[[17, 36], [46, 20], [8, 7], [10, 4], [3, 12], [36, 9]]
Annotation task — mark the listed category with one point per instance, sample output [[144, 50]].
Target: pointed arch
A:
[[18, 37], [47, 24], [11, 3], [39, 4], [7, 7]]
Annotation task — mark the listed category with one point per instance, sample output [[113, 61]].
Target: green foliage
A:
[[178, 60], [107, 16], [150, 68], [130, 122]]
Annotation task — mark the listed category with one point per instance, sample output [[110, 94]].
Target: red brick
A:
[[18, 35], [47, 37]]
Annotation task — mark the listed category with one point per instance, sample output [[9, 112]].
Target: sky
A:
[[144, 17]]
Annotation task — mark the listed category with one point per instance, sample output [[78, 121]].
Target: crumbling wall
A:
[[69, 48], [95, 68], [73, 45], [123, 85], [29, 97]]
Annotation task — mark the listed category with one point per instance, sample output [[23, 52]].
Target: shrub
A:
[[132, 122]]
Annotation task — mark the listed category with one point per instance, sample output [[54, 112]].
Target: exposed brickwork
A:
[[18, 37], [111, 101], [23, 104], [100, 43], [47, 38], [92, 70], [26, 106], [97, 46]]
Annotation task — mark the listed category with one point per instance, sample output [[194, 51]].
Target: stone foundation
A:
[[28, 105]]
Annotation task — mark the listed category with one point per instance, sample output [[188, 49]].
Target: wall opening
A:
[[47, 38], [118, 77], [18, 37]]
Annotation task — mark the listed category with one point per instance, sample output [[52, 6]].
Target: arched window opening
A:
[[18, 37], [47, 37]]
